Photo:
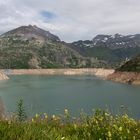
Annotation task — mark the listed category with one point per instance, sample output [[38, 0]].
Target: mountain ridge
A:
[[112, 48], [40, 48], [33, 47], [31, 31]]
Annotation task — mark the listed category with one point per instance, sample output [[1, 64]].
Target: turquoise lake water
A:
[[52, 94]]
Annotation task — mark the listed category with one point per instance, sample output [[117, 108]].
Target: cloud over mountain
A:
[[73, 19]]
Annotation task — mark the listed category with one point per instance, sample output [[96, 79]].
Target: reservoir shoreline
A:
[[103, 73], [107, 74], [3, 76], [132, 78]]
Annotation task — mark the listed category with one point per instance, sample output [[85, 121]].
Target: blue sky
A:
[[48, 15], [73, 19]]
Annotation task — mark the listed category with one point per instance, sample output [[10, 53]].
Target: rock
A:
[[103, 72], [125, 77], [3, 76]]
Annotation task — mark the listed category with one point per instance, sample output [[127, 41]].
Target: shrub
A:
[[21, 114]]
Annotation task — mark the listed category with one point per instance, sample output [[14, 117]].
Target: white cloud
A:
[[75, 19]]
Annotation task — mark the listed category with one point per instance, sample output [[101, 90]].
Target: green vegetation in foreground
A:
[[100, 126]]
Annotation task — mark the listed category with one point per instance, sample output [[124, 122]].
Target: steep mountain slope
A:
[[133, 65], [112, 48], [32, 47]]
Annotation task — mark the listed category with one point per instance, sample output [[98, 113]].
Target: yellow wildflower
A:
[[37, 115], [111, 117], [75, 126], [86, 125], [120, 128], [106, 114], [125, 116], [109, 134], [9, 122], [54, 117], [66, 111], [46, 116], [101, 118], [96, 121], [128, 131], [33, 120], [115, 126]]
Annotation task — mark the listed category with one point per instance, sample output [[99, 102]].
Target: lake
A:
[[52, 94]]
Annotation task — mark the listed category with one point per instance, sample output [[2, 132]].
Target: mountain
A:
[[32, 47], [117, 41], [31, 33], [131, 66], [111, 48]]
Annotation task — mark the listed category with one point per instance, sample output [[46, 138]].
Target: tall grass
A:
[[102, 125]]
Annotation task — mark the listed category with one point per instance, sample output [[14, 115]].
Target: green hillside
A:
[[132, 66], [31, 47]]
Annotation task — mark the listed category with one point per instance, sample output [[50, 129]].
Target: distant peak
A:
[[32, 31], [32, 26], [29, 25], [118, 35], [35, 26]]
